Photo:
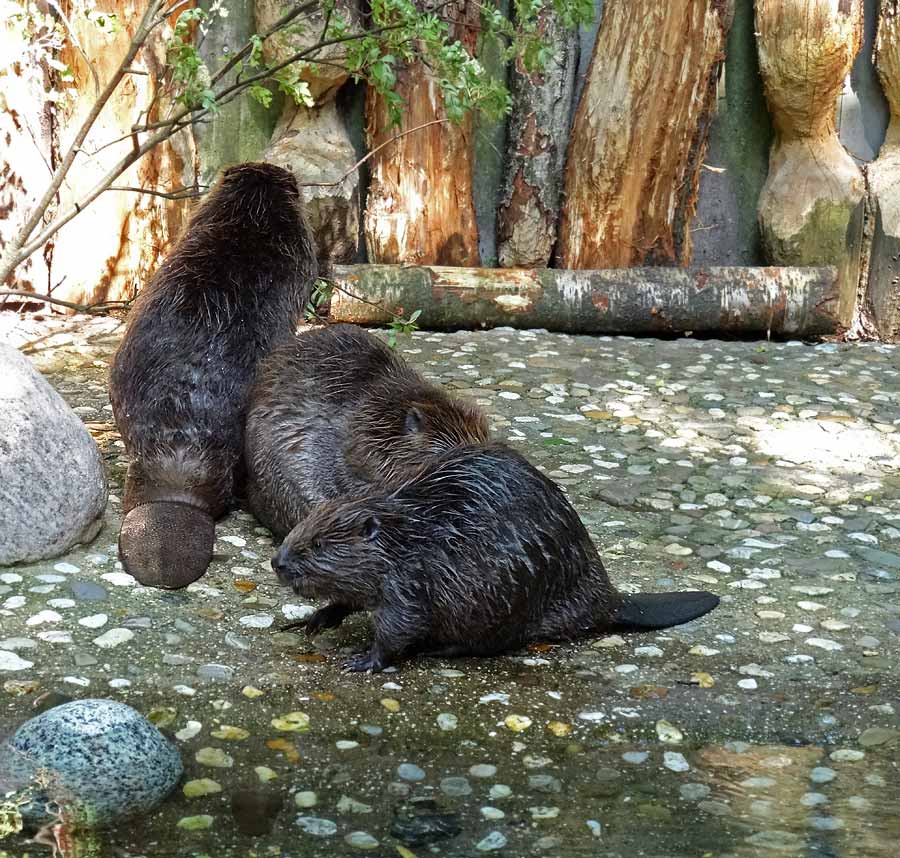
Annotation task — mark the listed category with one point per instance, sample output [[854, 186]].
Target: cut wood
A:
[[661, 300], [640, 133], [420, 206], [883, 294]]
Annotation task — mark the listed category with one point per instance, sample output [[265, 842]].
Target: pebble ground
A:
[[766, 472]]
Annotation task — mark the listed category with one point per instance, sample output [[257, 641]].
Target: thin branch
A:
[[368, 155], [376, 304], [99, 307], [186, 193]]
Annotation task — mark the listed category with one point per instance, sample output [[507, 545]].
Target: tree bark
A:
[[757, 301], [640, 133], [883, 293], [539, 130], [420, 207]]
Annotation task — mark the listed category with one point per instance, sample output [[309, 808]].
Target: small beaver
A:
[[334, 412], [479, 554], [234, 286]]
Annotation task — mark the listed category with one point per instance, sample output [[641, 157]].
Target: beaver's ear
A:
[[371, 528], [415, 421]]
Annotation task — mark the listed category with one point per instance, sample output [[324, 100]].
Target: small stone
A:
[[847, 755], [346, 744], [215, 672], [447, 721], [822, 775], [410, 772], [251, 692], [293, 722], [201, 787], [257, 621], [517, 723], [825, 643], [747, 684], [214, 757], [635, 758], [693, 792], [346, 804], [94, 621], [492, 842], [265, 774], [492, 813], [230, 734], [390, 704], [499, 791], [10, 661], [669, 733], [483, 770], [306, 798], [191, 729], [544, 812], [675, 762], [361, 840], [113, 638], [316, 826], [195, 823], [456, 787], [878, 736]]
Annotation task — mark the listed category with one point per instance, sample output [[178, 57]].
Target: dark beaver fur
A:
[[234, 286], [478, 555], [334, 412]]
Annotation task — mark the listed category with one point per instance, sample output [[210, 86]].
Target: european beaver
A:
[[234, 286], [478, 555], [335, 411]]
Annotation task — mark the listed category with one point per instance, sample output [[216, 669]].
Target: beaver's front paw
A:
[[365, 662]]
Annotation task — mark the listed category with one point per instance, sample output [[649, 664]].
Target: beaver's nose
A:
[[280, 566]]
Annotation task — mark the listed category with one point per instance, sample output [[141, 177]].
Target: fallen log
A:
[[801, 302]]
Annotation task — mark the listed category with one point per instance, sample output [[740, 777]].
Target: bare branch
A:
[[186, 193], [99, 307]]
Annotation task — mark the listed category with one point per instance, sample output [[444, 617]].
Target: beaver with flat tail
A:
[[478, 555], [334, 412], [235, 286]]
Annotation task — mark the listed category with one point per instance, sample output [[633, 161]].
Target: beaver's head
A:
[[341, 551], [403, 426]]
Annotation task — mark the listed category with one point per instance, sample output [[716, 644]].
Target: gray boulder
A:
[[52, 484]]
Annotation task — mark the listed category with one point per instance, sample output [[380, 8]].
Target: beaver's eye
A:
[[316, 544]]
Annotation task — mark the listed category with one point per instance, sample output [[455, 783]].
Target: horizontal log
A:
[[745, 301]]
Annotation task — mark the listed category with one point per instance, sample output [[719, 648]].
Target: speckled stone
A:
[[54, 485], [108, 761]]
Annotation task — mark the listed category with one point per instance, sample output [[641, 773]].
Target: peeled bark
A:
[[420, 207], [314, 144], [746, 301], [110, 251], [539, 129], [883, 294], [640, 133], [811, 207]]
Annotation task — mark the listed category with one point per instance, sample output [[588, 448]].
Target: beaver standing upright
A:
[[335, 411], [478, 555], [235, 286]]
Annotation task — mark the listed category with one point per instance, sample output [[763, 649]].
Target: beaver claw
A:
[[364, 662], [329, 617]]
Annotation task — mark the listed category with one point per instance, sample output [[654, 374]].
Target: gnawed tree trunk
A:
[[539, 130], [640, 133], [314, 143], [420, 207], [811, 207], [110, 252], [883, 294], [758, 301]]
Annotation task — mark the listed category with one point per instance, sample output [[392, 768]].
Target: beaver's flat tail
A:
[[167, 544], [641, 612]]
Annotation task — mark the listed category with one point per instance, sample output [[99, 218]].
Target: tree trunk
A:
[[640, 133], [420, 207], [539, 129], [757, 301], [883, 295], [314, 143]]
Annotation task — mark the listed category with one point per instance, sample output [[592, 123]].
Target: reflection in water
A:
[[622, 801]]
